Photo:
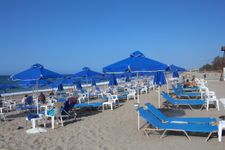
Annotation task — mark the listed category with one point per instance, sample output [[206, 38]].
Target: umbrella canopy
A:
[[36, 72], [87, 73], [159, 78], [137, 62], [112, 80], [175, 74], [174, 68]]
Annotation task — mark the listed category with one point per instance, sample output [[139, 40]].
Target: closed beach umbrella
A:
[[112, 80], [93, 82], [78, 85], [60, 87], [159, 79], [175, 74]]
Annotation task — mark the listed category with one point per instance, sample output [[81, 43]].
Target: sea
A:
[[5, 79]]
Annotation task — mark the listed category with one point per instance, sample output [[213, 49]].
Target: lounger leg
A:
[[187, 135], [111, 106], [217, 105], [202, 107], [190, 107], [163, 134], [208, 136], [53, 121], [61, 119], [207, 107]]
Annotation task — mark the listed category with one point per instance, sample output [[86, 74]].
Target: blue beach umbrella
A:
[[60, 87], [36, 72], [174, 68], [175, 74], [87, 74], [137, 62], [159, 79], [93, 82], [78, 85], [112, 80]]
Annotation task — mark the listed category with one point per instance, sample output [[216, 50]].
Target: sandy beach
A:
[[110, 130]]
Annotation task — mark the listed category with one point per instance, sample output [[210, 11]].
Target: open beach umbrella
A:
[[174, 68], [87, 74], [137, 62], [35, 72], [159, 79]]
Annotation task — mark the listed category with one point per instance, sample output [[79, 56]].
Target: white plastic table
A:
[[221, 126]]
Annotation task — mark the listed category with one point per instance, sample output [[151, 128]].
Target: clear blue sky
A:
[[65, 36]]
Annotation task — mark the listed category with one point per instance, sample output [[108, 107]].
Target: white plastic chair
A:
[[210, 97], [144, 90], [82, 98], [131, 94], [109, 102], [2, 115]]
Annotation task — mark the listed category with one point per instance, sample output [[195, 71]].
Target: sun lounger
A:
[[83, 105], [157, 125], [188, 89], [21, 107], [183, 94], [185, 102], [164, 118], [180, 89]]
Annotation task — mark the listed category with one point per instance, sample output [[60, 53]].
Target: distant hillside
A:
[[216, 65]]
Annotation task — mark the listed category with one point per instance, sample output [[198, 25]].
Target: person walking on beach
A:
[[204, 75]]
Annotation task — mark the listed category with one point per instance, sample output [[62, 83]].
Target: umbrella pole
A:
[[37, 95], [159, 96], [138, 120], [167, 85]]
